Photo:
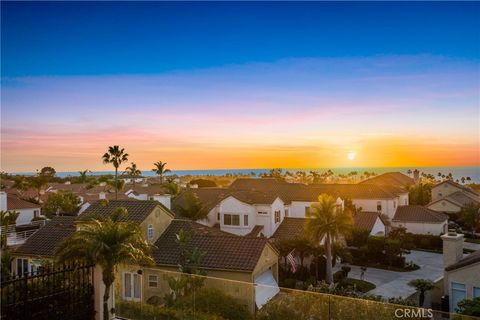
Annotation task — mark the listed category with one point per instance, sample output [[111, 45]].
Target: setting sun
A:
[[351, 155]]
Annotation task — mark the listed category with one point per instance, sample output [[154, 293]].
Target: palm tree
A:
[[160, 169], [8, 217], [192, 207], [172, 188], [422, 286], [107, 243], [83, 175], [327, 221], [133, 171], [115, 156]]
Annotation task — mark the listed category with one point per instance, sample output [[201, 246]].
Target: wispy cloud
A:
[[270, 113]]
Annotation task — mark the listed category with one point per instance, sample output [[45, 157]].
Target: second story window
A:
[[307, 211], [231, 219], [36, 213], [286, 212], [379, 206], [218, 216], [152, 281], [245, 220], [150, 232], [277, 216]]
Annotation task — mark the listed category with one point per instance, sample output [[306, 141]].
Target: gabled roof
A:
[[397, 179], [44, 242], [468, 260], [73, 187], [137, 210], [459, 198], [365, 220], [15, 203], [222, 250], [459, 186], [417, 213], [150, 189], [290, 228]]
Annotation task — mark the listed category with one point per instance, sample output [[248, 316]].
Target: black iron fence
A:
[[49, 293]]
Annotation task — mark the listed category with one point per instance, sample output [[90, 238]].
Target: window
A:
[[131, 286], [218, 216], [277, 216], [231, 219], [150, 232], [307, 211], [476, 292], [245, 220], [151, 198], [286, 212], [379, 206], [262, 212], [22, 266], [152, 281], [458, 293], [36, 213], [394, 204]]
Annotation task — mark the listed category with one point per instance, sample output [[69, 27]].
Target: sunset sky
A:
[[229, 85]]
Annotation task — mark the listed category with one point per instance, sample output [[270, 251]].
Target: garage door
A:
[[265, 288]]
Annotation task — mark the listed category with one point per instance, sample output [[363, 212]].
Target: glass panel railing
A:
[[173, 295]]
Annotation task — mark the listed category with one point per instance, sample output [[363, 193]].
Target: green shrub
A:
[[338, 276], [140, 311], [427, 242], [289, 283], [214, 301]]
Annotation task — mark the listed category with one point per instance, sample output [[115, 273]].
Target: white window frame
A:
[[476, 292], [458, 287], [150, 232], [379, 206], [278, 216], [132, 276], [23, 260], [152, 278]]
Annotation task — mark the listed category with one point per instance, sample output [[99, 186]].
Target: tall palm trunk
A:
[[116, 183], [108, 278], [328, 267]]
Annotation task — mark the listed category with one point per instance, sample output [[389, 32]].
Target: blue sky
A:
[[240, 85]]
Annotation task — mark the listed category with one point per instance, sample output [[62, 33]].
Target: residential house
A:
[[450, 197], [27, 210], [370, 221], [149, 192], [42, 244], [420, 220], [240, 212], [252, 260], [462, 274], [152, 216], [396, 179]]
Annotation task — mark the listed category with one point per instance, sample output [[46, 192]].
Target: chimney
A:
[[102, 195], [3, 201], [416, 176], [452, 247]]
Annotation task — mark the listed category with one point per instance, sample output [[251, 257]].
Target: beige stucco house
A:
[[462, 274], [450, 197], [244, 267]]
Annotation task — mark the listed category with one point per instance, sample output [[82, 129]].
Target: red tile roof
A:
[[365, 220], [416, 213], [15, 203]]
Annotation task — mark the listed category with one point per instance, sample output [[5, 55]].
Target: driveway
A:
[[471, 246], [395, 284]]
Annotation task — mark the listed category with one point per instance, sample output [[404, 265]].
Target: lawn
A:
[[360, 285]]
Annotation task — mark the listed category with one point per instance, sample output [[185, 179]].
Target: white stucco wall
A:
[[231, 205], [444, 206], [370, 205], [423, 228], [25, 216], [297, 209], [443, 190], [378, 228]]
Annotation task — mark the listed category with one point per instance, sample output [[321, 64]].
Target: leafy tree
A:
[[193, 208], [420, 194], [20, 183], [203, 183], [61, 202], [404, 238], [358, 237], [328, 221], [160, 169], [47, 172], [8, 217], [38, 182], [116, 157], [469, 307], [470, 216], [133, 171], [108, 243], [303, 247], [422, 286]]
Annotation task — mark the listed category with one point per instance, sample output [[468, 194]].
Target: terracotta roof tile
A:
[[15, 203], [44, 242], [397, 179], [365, 220], [416, 213], [137, 210], [222, 251], [290, 228]]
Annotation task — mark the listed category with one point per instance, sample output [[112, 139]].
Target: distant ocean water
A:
[[457, 172]]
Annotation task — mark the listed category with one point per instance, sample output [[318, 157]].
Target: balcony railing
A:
[[16, 237], [157, 296]]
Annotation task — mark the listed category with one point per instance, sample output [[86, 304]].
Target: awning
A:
[[265, 288]]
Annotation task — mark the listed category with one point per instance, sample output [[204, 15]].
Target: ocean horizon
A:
[[457, 172]]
